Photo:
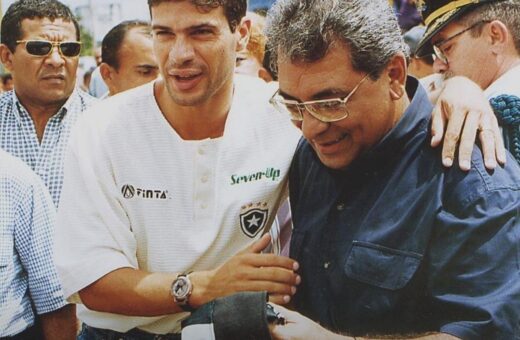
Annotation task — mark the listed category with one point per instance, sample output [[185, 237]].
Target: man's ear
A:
[[244, 32], [107, 73], [265, 75], [6, 57], [396, 72], [498, 34]]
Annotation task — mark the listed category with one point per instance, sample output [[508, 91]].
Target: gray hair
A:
[[304, 30], [508, 12]]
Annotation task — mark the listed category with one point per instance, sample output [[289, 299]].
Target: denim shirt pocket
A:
[[381, 266]]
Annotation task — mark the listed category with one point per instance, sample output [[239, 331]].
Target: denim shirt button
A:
[[340, 206]]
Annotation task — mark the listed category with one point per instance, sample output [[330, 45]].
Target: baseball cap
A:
[[437, 14]]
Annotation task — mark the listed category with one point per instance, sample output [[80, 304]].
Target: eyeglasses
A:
[[326, 110], [42, 48], [439, 53]]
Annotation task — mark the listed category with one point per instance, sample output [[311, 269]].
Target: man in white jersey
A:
[[173, 177], [167, 182]]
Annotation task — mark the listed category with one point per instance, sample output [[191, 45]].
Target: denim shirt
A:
[[397, 244]]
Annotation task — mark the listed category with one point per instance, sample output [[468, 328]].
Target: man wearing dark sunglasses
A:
[[42, 53], [480, 40], [40, 47]]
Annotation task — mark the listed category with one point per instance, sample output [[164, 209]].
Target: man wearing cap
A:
[[479, 39]]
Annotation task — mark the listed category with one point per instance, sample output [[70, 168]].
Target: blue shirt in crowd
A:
[[18, 137], [397, 244], [27, 273]]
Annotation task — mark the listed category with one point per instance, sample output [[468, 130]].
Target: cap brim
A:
[[424, 48]]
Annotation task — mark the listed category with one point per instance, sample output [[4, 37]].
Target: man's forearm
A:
[[59, 324], [134, 292], [131, 292]]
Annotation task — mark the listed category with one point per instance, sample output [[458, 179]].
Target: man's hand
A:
[[460, 112], [60, 324], [298, 327], [248, 270]]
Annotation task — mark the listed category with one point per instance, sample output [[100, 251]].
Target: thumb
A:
[[259, 245]]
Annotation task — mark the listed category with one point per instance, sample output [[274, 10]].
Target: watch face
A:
[[181, 287]]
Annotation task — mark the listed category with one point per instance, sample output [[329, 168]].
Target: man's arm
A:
[[33, 239], [298, 327], [135, 292], [461, 113], [59, 324]]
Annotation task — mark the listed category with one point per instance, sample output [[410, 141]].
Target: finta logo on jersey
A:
[[129, 191], [269, 173]]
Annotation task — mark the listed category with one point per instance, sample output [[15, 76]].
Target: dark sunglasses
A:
[[42, 48]]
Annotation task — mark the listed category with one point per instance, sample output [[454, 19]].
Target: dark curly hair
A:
[[234, 10], [11, 29]]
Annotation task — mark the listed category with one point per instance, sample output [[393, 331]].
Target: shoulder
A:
[[468, 188], [119, 107], [16, 178], [6, 99], [252, 92], [86, 98], [506, 84], [251, 101]]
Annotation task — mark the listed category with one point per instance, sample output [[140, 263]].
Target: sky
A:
[[132, 9]]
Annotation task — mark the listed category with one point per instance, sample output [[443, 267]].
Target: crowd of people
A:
[[330, 170]]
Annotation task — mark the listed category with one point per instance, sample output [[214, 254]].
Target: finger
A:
[[273, 288], [452, 134], [259, 245], [487, 140], [500, 149], [488, 126], [467, 140], [279, 299], [438, 123], [273, 274], [269, 260]]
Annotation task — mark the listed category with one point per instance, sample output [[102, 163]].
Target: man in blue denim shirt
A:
[[389, 242]]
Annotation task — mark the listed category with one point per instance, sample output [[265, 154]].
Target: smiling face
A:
[[195, 50], [47, 80], [372, 108]]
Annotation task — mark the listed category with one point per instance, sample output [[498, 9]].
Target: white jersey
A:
[[137, 195]]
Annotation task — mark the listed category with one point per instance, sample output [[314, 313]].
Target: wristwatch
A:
[[181, 291]]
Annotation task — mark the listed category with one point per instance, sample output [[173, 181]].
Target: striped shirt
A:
[[27, 273], [18, 136]]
